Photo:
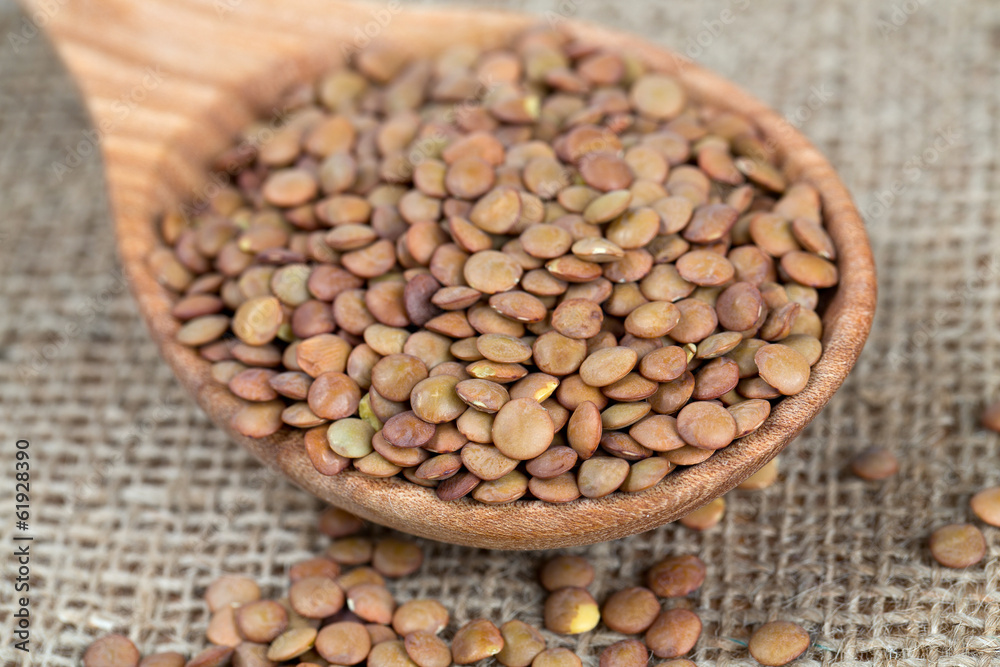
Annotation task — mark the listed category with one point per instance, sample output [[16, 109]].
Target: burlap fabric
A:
[[137, 501]]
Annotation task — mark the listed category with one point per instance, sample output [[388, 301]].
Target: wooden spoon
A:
[[169, 83]]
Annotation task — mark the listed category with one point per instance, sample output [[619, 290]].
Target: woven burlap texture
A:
[[138, 502]]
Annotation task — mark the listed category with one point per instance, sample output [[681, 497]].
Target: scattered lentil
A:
[[571, 611], [673, 633], [986, 505], [676, 576], [958, 545], [778, 643], [875, 464]]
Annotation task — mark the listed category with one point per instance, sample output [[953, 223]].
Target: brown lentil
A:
[[371, 602], [218, 656], [343, 643], [630, 611], [566, 571], [991, 417], [396, 558], [521, 644], [475, 641], [351, 550], [601, 475], [626, 653], [231, 590], [706, 425], [556, 657], [420, 616], [358, 576], [763, 478], [783, 368], [261, 621], [559, 489], [291, 644], [607, 366], [875, 464], [706, 516], [165, 659], [778, 643], [425, 649], [111, 651], [676, 576], [646, 474], [986, 505], [571, 611], [749, 415], [314, 567], [522, 429], [316, 597], [958, 545], [222, 630], [673, 633]]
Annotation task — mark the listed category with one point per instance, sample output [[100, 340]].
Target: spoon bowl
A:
[[169, 84]]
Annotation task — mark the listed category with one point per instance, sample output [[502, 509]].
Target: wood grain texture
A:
[[206, 68]]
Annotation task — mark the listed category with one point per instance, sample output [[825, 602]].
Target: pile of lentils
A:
[[536, 270], [339, 610]]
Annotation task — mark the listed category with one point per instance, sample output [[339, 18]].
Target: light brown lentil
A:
[[601, 475], [164, 659], [985, 505], [230, 590], [646, 474], [566, 571], [111, 651], [371, 602], [360, 575], [778, 643], [475, 641], [991, 417], [420, 616], [314, 567], [626, 653], [630, 611], [343, 643], [676, 576], [783, 368], [396, 558], [522, 429], [291, 644], [351, 550], [875, 464], [559, 489], [763, 478], [261, 621], [316, 597], [571, 611], [222, 630], [218, 656], [556, 657], [673, 633], [425, 649], [706, 516], [521, 644], [749, 415], [958, 545]]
